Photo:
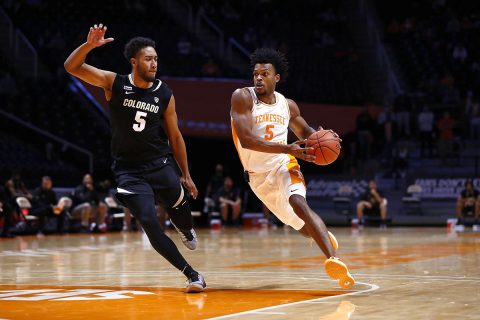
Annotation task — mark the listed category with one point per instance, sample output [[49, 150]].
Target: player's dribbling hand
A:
[[300, 152], [96, 35], [187, 182], [330, 130]]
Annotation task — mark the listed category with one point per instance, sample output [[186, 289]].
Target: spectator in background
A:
[[250, 38], [372, 203], [87, 204], [229, 202], [15, 187], [386, 120], [468, 203], [475, 122], [365, 127], [213, 186], [400, 160], [6, 212], [426, 121], [210, 68], [402, 107], [228, 12], [8, 86], [394, 28], [459, 53], [45, 205], [446, 135], [184, 49]]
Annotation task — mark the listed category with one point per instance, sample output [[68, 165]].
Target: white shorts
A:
[[275, 187]]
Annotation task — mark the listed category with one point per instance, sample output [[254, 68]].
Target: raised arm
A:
[[241, 106], [178, 146], [76, 66]]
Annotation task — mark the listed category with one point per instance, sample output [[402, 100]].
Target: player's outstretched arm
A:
[[76, 66], [178, 146]]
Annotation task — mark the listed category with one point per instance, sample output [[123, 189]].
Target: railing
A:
[[18, 50], [234, 44], [218, 32], [374, 36], [175, 5], [24, 50], [78, 86], [6, 26], [52, 137]]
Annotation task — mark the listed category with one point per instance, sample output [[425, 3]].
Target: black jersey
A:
[[136, 117]]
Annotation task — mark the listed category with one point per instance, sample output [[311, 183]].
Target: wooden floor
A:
[[401, 273]]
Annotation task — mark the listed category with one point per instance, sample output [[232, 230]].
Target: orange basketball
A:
[[326, 147]]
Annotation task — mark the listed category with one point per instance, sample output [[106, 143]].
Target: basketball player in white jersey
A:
[[261, 118]]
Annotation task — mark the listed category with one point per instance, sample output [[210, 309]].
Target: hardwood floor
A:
[[401, 273]]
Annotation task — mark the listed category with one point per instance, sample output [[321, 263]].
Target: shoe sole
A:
[[190, 247], [337, 270], [333, 240], [194, 288]]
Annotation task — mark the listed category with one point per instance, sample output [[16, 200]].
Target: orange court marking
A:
[[98, 302], [372, 258]]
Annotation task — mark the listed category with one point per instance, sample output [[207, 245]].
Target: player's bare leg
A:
[[313, 224], [316, 228]]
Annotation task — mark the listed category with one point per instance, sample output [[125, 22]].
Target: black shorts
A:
[[159, 178], [468, 210], [373, 211]]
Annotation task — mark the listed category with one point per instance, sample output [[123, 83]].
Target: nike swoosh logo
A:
[[129, 92], [165, 161], [293, 190]]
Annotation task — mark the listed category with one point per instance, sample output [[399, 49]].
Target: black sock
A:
[[188, 271]]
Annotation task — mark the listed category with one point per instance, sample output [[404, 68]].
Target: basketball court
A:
[[401, 273]]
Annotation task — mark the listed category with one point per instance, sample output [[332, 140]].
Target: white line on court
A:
[[373, 287]]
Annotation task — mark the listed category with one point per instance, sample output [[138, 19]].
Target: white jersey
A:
[[270, 122]]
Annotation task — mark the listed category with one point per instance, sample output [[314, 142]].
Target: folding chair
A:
[[342, 202], [412, 203], [24, 205]]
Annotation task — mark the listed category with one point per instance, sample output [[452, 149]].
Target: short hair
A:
[[136, 44], [272, 56]]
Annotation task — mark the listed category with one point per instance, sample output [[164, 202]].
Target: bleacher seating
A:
[[424, 36], [324, 65], [65, 25], [22, 156]]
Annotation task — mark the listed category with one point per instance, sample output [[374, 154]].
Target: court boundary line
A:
[[372, 288]]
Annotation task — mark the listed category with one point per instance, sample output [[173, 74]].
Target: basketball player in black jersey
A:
[[145, 133]]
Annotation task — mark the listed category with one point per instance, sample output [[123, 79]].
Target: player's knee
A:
[[296, 201], [147, 219], [181, 206]]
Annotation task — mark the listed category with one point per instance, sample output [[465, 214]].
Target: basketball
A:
[[326, 147]]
